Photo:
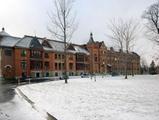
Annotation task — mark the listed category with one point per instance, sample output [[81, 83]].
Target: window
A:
[[63, 56], [59, 66], [86, 59], [37, 75], [71, 66], [95, 58], [8, 52], [62, 66], [56, 74], [55, 66], [59, 56], [36, 65], [24, 75], [55, 56], [46, 55], [23, 53], [80, 58], [36, 54], [47, 74], [46, 65], [23, 65], [71, 57]]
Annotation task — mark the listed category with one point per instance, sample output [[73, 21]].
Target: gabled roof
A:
[[101, 44], [45, 44], [24, 42], [9, 41], [35, 43], [29, 42], [78, 49]]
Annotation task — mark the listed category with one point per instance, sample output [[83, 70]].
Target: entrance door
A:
[[37, 75]]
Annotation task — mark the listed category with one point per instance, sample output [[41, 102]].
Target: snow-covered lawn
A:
[[109, 98]]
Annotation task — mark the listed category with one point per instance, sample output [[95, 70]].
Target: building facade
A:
[[40, 57]]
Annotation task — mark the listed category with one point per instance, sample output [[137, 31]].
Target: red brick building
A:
[[97, 59], [40, 57]]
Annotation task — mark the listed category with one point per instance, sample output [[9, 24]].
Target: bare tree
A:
[[116, 29], [152, 17], [62, 25], [124, 33]]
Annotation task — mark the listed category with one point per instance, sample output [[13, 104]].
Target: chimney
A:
[[3, 29]]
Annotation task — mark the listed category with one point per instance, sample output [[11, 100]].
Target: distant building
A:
[[107, 60], [40, 57]]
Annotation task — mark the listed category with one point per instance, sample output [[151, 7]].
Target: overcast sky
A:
[[29, 17]]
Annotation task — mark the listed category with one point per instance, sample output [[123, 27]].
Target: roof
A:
[[91, 40], [24, 42], [9, 41], [79, 49], [3, 33], [57, 45], [29, 42], [134, 53]]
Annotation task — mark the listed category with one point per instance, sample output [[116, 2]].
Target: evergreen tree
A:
[[152, 69]]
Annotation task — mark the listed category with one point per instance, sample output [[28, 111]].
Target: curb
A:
[[47, 114]]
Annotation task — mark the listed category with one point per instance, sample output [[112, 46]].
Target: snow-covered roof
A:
[[3, 33], [9, 41], [47, 49], [29, 42], [57, 45], [24, 42], [40, 40], [79, 49], [71, 51]]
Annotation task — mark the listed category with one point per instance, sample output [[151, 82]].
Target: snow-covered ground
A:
[[109, 98], [18, 109]]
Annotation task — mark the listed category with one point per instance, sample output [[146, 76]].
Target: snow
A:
[[18, 109], [109, 98], [9, 41]]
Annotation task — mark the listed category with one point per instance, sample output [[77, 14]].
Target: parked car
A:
[[84, 75]]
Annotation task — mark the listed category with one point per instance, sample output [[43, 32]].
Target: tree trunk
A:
[[126, 68], [65, 49]]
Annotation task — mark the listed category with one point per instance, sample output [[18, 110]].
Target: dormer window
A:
[[46, 55]]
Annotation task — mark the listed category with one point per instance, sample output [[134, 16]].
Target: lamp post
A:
[[132, 68]]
